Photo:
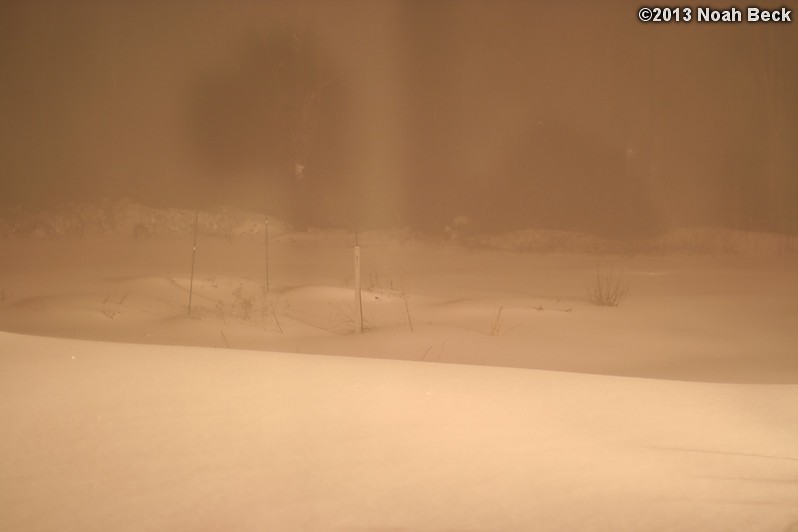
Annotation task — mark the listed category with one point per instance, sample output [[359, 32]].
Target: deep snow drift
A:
[[99, 436]]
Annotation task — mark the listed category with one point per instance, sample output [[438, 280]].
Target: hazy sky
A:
[[513, 113]]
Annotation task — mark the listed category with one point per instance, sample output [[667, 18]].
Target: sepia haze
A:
[[571, 302], [513, 114]]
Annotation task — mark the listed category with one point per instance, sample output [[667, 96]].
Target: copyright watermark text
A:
[[732, 15]]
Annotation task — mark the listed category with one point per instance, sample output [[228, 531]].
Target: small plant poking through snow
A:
[[250, 305], [608, 289], [343, 319], [244, 302]]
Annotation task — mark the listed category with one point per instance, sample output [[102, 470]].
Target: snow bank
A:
[[128, 218], [680, 241], [125, 217], [101, 436]]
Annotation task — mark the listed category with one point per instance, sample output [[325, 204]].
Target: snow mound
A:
[[130, 437], [679, 241], [540, 240], [124, 217]]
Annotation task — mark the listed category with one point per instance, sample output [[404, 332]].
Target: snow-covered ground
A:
[[502, 399], [111, 436]]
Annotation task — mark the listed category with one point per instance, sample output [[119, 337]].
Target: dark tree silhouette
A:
[[261, 123]]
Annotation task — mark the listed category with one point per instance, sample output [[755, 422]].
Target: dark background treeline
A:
[[514, 114]]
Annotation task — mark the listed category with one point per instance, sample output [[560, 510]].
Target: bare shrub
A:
[[608, 289], [244, 302]]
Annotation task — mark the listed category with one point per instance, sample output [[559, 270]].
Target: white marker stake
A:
[[267, 254], [193, 257], [358, 300]]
